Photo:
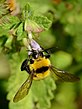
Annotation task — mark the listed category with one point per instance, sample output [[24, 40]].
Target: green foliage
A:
[[43, 22], [62, 59], [59, 26], [17, 27], [63, 98]]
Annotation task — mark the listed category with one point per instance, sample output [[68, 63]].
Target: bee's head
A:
[[36, 54]]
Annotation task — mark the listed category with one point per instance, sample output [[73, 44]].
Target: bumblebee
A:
[[39, 66]]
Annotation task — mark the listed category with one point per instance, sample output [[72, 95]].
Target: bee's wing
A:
[[24, 89], [63, 75]]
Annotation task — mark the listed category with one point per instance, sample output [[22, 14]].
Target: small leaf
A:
[[7, 22], [32, 26], [3, 9], [27, 12], [9, 42], [3, 31], [44, 22], [19, 32]]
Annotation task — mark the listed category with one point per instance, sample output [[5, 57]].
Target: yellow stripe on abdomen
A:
[[38, 76], [40, 68]]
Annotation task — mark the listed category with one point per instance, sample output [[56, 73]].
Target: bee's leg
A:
[[47, 56], [46, 51], [25, 66]]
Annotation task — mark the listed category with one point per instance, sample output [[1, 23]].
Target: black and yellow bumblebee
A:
[[38, 66]]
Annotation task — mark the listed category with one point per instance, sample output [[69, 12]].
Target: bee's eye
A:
[[31, 61]]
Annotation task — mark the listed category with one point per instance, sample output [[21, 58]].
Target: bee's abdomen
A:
[[42, 69]]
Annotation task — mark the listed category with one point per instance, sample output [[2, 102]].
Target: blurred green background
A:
[[65, 36]]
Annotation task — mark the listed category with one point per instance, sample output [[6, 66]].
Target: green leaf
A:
[[9, 21], [3, 10], [27, 12], [25, 104], [44, 22], [20, 32], [32, 26], [42, 92], [37, 24], [9, 42], [3, 31]]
